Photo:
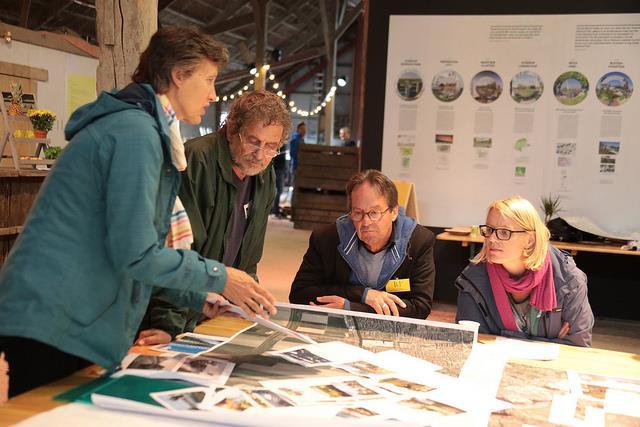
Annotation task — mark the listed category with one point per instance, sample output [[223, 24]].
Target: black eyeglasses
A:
[[373, 215], [501, 233]]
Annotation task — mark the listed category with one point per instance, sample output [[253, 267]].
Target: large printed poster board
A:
[[483, 107]]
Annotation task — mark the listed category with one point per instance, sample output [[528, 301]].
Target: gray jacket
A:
[[476, 302]]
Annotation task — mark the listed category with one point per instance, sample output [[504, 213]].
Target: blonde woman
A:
[[521, 286]]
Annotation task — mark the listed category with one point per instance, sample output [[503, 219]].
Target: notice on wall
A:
[[80, 90], [532, 105]]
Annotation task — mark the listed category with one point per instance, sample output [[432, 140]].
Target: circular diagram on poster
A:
[[486, 87], [614, 88], [409, 85], [447, 85], [526, 87], [571, 88]]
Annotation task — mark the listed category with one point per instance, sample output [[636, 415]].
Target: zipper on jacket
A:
[[484, 308]]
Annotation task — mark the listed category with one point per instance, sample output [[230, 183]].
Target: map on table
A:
[[444, 344]]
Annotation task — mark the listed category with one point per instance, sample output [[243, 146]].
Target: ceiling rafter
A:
[[24, 13]]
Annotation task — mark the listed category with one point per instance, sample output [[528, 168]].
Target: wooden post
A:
[[124, 28], [260, 14], [328, 18]]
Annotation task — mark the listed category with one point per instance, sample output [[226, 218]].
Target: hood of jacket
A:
[[403, 228], [134, 96]]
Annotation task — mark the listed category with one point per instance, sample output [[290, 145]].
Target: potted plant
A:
[[42, 121], [52, 153], [550, 207]]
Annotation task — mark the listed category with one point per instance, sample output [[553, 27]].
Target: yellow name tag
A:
[[398, 285]]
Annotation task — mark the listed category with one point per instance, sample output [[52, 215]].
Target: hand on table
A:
[[153, 337], [384, 302], [247, 294], [564, 330], [213, 309], [330, 301]]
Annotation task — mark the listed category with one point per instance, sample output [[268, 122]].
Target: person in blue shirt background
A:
[[296, 139]]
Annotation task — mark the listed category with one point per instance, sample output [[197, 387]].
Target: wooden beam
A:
[[291, 87], [24, 13], [42, 38], [348, 20], [234, 23], [24, 71], [307, 55], [163, 4], [51, 12]]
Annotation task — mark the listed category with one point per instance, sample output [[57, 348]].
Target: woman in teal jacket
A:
[[77, 283]]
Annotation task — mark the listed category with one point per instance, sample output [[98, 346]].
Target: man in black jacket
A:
[[373, 259]]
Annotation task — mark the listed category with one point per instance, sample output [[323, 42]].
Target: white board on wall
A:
[[483, 107]]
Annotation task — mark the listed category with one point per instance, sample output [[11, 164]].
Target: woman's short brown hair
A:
[[377, 180], [259, 106], [176, 47]]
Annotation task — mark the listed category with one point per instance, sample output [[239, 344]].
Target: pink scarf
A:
[[539, 282]]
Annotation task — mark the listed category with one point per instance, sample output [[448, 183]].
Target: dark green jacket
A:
[[208, 195], [81, 273]]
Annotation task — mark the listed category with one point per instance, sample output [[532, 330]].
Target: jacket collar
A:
[[223, 154], [397, 246]]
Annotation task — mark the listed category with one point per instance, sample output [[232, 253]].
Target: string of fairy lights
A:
[[275, 86]]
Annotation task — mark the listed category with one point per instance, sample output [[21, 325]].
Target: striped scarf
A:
[[180, 234]]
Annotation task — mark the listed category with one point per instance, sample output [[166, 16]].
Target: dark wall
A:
[[614, 282]]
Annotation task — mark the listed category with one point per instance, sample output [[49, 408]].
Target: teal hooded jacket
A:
[[80, 275]]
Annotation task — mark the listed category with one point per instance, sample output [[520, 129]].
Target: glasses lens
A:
[[375, 215], [485, 230], [357, 215], [503, 234]]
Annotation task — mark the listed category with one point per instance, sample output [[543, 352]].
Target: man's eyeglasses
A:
[[501, 233], [253, 144], [373, 215]]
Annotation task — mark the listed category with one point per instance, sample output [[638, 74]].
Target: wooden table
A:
[[573, 248], [589, 360]]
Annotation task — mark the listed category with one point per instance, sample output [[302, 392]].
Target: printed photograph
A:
[[155, 363], [207, 366], [356, 389], [571, 88], [444, 138], [609, 147], [521, 144], [614, 89], [268, 398], [305, 357], [356, 412], [593, 391], [406, 385], [409, 85], [566, 148], [364, 368], [186, 399], [526, 87], [331, 391], [430, 405], [486, 87], [235, 403], [520, 171], [447, 85], [481, 142]]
